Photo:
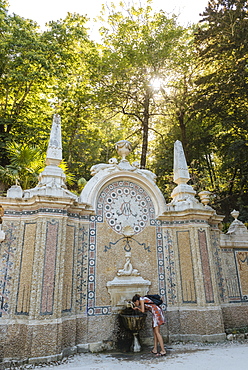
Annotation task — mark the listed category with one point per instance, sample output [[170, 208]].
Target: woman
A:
[[145, 304]]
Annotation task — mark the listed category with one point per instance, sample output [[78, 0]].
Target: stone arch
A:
[[90, 193]]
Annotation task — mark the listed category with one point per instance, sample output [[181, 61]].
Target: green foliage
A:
[[81, 183], [139, 46], [150, 81], [222, 96], [24, 72], [26, 162]]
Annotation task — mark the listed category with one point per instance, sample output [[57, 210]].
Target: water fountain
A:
[[133, 320], [126, 283]]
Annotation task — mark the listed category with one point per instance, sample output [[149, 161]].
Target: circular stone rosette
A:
[[125, 206]]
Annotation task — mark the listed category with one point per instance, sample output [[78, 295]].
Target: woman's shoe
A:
[[161, 354], [154, 353]]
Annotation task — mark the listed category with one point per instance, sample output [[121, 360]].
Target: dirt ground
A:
[[191, 356]]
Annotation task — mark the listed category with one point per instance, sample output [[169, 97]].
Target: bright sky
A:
[[43, 11]]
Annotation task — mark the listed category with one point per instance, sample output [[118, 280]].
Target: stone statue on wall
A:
[[128, 268]]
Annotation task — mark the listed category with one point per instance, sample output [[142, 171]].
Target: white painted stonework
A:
[[52, 179], [104, 172], [126, 284], [15, 191], [183, 196], [237, 234]]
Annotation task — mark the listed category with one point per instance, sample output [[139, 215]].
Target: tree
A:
[[138, 51], [222, 95], [42, 72], [25, 73], [86, 135]]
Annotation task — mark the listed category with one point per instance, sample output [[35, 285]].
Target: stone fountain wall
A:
[[43, 277], [61, 256]]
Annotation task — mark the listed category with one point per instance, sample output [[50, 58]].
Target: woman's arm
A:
[[142, 305]]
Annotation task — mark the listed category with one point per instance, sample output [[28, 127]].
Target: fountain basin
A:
[[134, 323]]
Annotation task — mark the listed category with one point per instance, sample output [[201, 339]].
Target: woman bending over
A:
[[145, 304]]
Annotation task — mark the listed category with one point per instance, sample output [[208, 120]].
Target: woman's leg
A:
[[156, 332], [155, 347]]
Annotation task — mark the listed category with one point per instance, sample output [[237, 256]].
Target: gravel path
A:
[[226, 356]]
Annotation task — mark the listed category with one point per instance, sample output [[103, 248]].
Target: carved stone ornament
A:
[[52, 179], [123, 148], [127, 283], [128, 268]]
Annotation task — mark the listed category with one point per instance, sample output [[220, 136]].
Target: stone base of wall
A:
[[197, 325], [197, 338], [235, 315], [80, 348], [102, 328], [50, 339]]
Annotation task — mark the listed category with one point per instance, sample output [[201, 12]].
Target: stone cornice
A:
[[40, 204]]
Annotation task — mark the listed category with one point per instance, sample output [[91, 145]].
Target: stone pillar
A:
[[194, 311], [234, 257]]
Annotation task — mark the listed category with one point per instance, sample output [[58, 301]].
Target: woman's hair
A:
[[136, 297]]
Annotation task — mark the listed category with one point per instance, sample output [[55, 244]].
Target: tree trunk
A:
[[145, 130], [180, 116]]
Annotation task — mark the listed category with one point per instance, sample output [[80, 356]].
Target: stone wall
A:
[[43, 277], [58, 256]]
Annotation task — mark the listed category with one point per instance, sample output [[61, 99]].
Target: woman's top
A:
[[157, 313]]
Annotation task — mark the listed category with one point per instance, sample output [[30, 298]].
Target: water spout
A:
[[136, 345]]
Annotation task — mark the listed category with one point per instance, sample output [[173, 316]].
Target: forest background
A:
[[148, 80]]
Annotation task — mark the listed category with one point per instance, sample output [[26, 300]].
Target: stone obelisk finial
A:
[[181, 172], [52, 179], [183, 191], [54, 150]]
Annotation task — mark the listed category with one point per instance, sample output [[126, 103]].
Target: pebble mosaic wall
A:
[[206, 273], [48, 280], [68, 268], [236, 266], [26, 269], [170, 268], [217, 254], [186, 267], [64, 260], [123, 203], [241, 257], [232, 283], [7, 260]]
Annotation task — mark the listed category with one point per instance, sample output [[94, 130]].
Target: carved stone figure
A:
[[128, 268], [103, 166]]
